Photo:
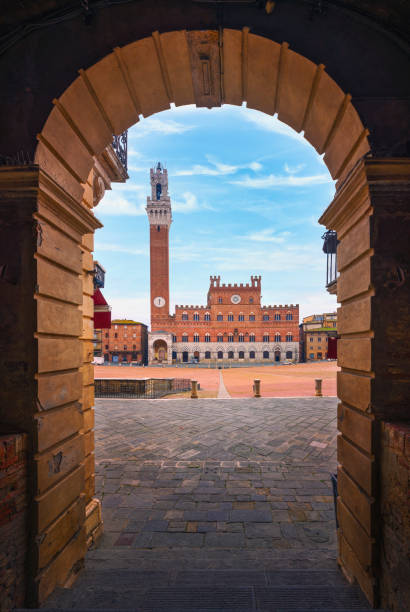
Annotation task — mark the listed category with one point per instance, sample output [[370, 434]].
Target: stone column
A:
[[41, 230], [371, 215]]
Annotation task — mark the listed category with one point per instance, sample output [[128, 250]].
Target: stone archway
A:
[[56, 197], [160, 351]]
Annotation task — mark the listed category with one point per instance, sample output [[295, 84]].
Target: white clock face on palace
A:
[[235, 299]]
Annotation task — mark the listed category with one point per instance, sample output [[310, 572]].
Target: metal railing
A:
[[120, 146], [147, 388]]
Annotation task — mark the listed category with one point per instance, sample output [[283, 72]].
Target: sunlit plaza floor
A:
[[276, 381]]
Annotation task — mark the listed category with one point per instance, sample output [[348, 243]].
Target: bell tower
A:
[[160, 218]]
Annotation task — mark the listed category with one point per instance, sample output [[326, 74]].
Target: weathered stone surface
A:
[[53, 465], [355, 390], [357, 427], [358, 465]]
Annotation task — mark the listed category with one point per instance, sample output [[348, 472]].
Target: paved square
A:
[[216, 483]]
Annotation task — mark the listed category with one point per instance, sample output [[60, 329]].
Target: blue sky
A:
[[246, 192]]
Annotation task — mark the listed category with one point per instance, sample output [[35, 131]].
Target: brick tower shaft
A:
[[160, 218]]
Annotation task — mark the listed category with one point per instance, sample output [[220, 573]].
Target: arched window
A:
[[266, 338], [230, 354], [219, 316], [266, 317], [196, 316], [207, 316], [220, 338], [134, 346], [241, 317], [230, 338], [289, 316], [174, 338], [251, 354], [241, 355], [207, 338], [184, 337], [266, 354], [251, 317], [220, 355], [196, 337], [289, 354], [207, 354], [251, 337], [230, 317], [251, 300], [241, 338], [289, 338], [158, 190], [277, 338], [185, 316], [277, 317], [219, 300]]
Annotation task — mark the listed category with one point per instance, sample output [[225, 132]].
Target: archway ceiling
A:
[[144, 77], [393, 15]]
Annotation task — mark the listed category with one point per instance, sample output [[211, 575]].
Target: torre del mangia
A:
[[233, 325]]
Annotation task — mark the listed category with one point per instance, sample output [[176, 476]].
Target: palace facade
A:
[[233, 325]]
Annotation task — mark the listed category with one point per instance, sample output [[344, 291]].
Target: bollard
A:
[[194, 389], [257, 387], [318, 387]]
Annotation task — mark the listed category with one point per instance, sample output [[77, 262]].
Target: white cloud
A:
[[267, 235], [283, 181], [293, 169], [217, 168], [272, 124], [316, 303], [155, 125], [137, 308], [118, 248], [118, 205], [188, 204]]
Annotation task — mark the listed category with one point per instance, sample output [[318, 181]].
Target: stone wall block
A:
[[58, 534], [52, 503], [55, 464], [57, 246], [56, 317], [293, 101], [355, 353], [354, 280], [58, 171], [353, 532], [356, 426], [145, 73], [262, 71], [58, 389], [83, 111], [88, 397], [58, 354], [354, 244], [88, 416], [57, 425], [87, 371], [326, 104], [176, 54], [354, 317], [112, 93], [355, 390], [357, 464], [232, 54], [58, 283], [347, 134], [60, 135], [358, 502], [355, 570], [69, 561]]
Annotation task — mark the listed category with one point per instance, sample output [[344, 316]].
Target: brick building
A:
[[318, 334], [125, 341], [233, 325]]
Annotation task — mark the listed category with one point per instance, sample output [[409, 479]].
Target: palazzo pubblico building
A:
[[233, 325]]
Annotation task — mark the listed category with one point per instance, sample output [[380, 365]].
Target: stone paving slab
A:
[[216, 475]]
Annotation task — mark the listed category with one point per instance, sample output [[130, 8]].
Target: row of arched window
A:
[[241, 355], [231, 338], [241, 317]]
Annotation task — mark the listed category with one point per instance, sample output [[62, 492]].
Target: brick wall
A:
[[395, 516], [13, 528]]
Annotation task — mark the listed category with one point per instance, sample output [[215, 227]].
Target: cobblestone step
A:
[[210, 591]]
